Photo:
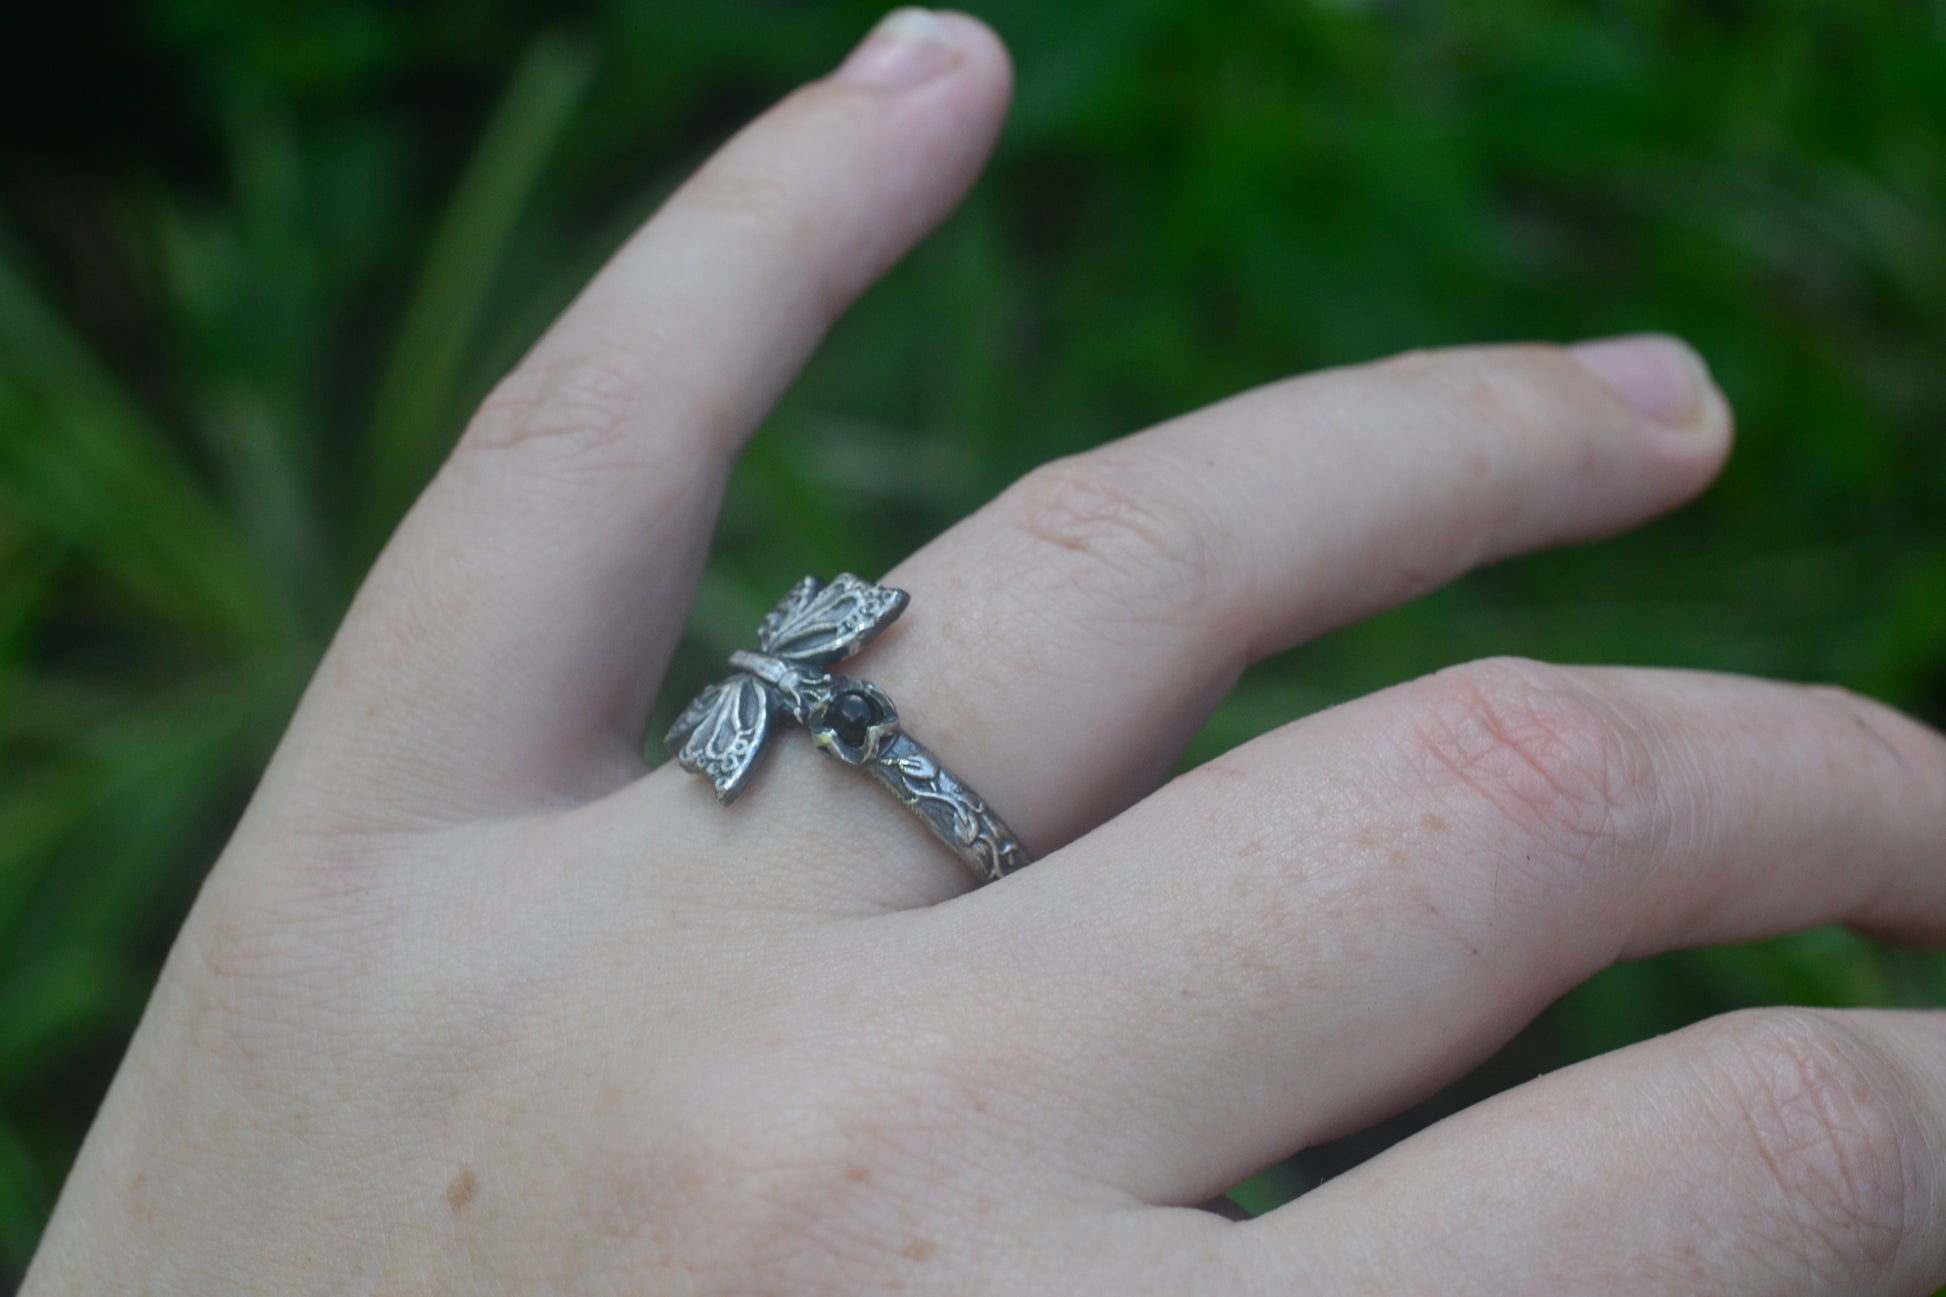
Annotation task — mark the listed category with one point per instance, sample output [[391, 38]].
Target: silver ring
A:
[[722, 733]]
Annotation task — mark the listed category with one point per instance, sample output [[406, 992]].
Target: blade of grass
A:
[[81, 462], [246, 320], [66, 1000], [99, 794], [158, 784], [24, 1198], [26, 577], [42, 807], [414, 415]]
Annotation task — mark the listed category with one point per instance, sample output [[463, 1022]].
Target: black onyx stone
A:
[[850, 717]]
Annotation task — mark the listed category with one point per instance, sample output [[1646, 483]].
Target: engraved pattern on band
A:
[[724, 732]]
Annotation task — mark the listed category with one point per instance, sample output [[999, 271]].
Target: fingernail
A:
[[909, 47], [1660, 377]]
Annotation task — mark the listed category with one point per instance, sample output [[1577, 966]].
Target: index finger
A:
[[506, 646]]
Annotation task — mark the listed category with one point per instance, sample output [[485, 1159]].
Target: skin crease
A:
[[473, 1003]]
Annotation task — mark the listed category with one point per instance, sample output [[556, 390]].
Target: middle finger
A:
[[1065, 641]]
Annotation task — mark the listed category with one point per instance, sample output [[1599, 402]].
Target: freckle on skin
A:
[[858, 1174], [1434, 824], [920, 1250], [464, 1188]]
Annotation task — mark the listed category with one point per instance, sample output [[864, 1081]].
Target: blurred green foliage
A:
[[257, 261]]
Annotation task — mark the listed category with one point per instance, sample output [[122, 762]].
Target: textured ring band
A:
[[723, 732]]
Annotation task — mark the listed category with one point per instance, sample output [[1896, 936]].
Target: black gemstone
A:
[[850, 717]]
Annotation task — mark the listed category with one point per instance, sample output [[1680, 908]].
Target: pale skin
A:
[[473, 1003]]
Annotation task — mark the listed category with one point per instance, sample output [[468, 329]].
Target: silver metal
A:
[[723, 732]]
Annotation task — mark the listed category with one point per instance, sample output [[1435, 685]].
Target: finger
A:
[[1334, 920], [1776, 1152], [508, 641], [1063, 643]]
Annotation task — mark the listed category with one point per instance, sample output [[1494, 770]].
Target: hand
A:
[[474, 1004]]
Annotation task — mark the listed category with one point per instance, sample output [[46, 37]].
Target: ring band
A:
[[723, 732]]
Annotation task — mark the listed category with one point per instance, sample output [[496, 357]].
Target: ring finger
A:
[[1338, 918]]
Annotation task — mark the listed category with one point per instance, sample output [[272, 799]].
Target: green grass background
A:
[[257, 260]]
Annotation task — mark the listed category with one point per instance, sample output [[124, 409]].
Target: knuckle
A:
[[1122, 516], [578, 413], [752, 206], [1511, 389], [746, 199], [1818, 1117], [1562, 767]]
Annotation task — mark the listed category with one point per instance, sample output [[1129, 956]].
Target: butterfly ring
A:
[[723, 732]]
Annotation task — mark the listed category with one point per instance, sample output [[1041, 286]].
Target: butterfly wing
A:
[[722, 733], [818, 625], [788, 608]]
